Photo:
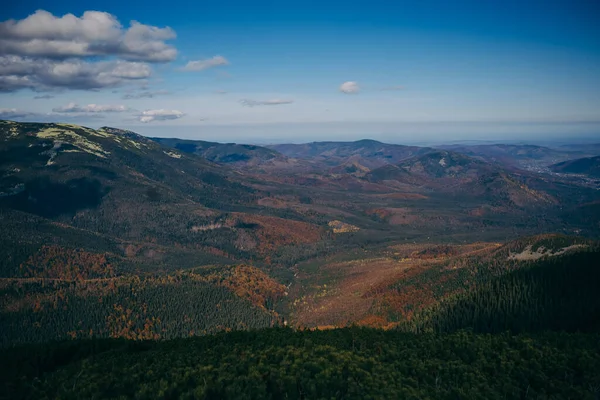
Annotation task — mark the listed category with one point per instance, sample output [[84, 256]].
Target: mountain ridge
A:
[[225, 153], [587, 166]]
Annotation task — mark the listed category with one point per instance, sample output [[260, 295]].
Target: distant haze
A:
[[399, 133]]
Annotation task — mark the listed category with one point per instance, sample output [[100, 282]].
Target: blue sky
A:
[[277, 71]]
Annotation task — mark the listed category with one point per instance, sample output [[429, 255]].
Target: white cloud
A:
[[201, 65], [46, 52], [131, 70], [144, 94], [90, 108], [159, 115], [273, 102], [18, 72], [95, 33], [349, 87]]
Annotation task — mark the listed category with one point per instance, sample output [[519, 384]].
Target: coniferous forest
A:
[[278, 363], [531, 332], [559, 294]]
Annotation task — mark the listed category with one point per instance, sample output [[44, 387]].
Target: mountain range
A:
[[259, 236], [521, 155]]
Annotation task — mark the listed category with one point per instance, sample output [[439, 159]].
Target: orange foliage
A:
[[121, 324], [381, 213], [55, 262], [436, 252], [250, 283], [395, 216], [376, 321], [319, 328], [273, 232]]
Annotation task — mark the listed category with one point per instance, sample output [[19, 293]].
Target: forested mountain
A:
[[372, 152], [516, 155], [552, 293], [150, 207], [465, 274], [225, 153], [460, 175], [186, 303], [97, 222], [587, 166], [393, 286], [146, 204], [91, 216], [435, 166]]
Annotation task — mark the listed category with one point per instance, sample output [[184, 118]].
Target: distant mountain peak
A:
[[368, 141]]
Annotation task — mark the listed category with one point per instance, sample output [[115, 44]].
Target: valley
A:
[[112, 240], [326, 232]]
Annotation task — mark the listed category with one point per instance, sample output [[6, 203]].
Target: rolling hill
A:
[[224, 153], [152, 206], [98, 225], [515, 155], [466, 177], [103, 227], [400, 282], [589, 166], [371, 152]]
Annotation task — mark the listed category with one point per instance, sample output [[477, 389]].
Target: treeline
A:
[[349, 363], [159, 307], [417, 289], [24, 235], [555, 293], [164, 240]]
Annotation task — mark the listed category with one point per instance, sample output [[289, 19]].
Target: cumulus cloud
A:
[[95, 33], [273, 102], [94, 51], [90, 108], [18, 72], [349, 87], [144, 94], [201, 65], [159, 115]]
